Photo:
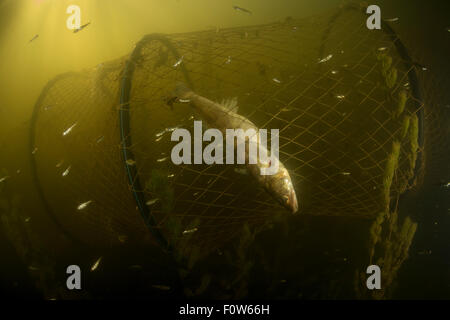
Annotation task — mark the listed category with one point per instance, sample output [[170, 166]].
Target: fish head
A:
[[281, 188]]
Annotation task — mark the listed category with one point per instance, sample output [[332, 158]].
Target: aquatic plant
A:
[[391, 167], [391, 78], [413, 142], [405, 126], [402, 98]]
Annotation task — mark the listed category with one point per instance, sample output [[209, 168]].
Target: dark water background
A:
[[423, 276]]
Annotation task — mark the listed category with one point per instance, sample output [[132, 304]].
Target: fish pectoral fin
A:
[[231, 104]]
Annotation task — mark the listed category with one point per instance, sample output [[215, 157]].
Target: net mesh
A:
[[340, 95]]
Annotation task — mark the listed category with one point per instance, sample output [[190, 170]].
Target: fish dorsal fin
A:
[[231, 104]]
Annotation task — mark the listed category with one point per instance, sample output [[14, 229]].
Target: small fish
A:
[[382, 49], [159, 139], [68, 130], [340, 96], [447, 185], [161, 287], [391, 19], [242, 10], [286, 109], [100, 139], [59, 164], [184, 100], [334, 72], [96, 263], [162, 159], [228, 61], [171, 129], [81, 27], [276, 80], [152, 201], [130, 162], [345, 173], [327, 58], [122, 238], [66, 172], [171, 175], [178, 62], [34, 38], [190, 231], [84, 205], [447, 29], [406, 84], [32, 268], [160, 134], [4, 179], [27, 219], [34, 150]]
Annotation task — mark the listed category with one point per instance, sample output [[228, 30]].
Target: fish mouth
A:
[[293, 204]]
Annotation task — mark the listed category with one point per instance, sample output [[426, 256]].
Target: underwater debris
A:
[[152, 202], [34, 38], [130, 162], [190, 231], [67, 171], [327, 58], [96, 264], [178, 62], [68, 130], [243, 10], [84, 205]]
